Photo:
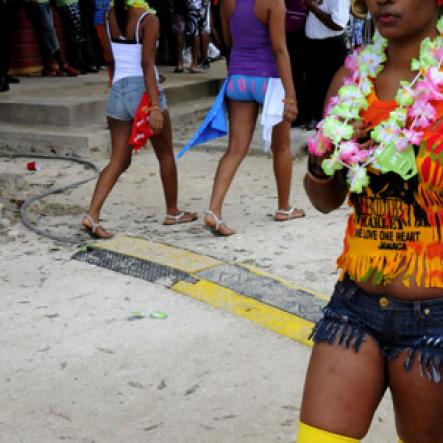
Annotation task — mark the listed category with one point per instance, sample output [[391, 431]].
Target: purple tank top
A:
[[251, 52]]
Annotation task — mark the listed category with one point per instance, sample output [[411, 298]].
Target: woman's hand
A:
[[156, 120], [290, 111]]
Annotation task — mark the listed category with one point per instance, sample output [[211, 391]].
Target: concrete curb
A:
[[267, 300]]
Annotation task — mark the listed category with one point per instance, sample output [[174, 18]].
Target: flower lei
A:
[[142, 4], [394, 138]]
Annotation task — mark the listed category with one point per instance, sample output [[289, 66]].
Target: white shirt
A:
[[339, 12]]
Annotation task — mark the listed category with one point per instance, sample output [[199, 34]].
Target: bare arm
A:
[[107, 51], [326, 193], [149, 32], [325, 18], [277, 15]]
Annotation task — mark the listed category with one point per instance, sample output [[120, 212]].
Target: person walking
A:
[[325, 51], [132, 31], [380, 145], [255, 31]]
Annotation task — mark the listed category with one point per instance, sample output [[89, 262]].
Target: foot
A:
[[290, 214], [70, 71], [92, 69], [46, 72], [178, 69], [179, 218], [204, 65], [195, 70], [95, 229], [216, 225]]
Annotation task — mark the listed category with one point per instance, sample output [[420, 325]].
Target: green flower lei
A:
[[393, 139]]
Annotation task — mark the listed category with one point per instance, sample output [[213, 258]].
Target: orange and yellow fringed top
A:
[[396, 226]]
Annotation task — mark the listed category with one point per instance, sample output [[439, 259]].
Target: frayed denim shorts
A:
[[415, 327], [125, 97]]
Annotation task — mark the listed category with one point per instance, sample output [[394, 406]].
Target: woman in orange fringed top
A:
[[381, 145]]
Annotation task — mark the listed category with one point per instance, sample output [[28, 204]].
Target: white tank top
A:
[[128, 56]]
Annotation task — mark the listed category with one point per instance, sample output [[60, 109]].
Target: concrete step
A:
[[177, 94], [53, 111], [77, 108], [90, 141]]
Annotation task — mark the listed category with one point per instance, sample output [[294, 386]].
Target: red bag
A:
[[141, 131], [295, 15]]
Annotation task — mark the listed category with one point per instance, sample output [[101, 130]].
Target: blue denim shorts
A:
[[125, 97], [397, 326]]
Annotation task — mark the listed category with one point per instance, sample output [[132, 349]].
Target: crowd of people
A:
[[187, 22], [184, 24]]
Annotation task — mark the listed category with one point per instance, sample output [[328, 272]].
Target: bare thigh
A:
[[242, 120], [418, 403], [120, 133], [343, 388]]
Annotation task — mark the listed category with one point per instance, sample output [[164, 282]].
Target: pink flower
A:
[[429, 89], [333, 101], [439, 54], [422, 113], [435, 76], [413, 137], [319, 145], [350, 153], [351, 62]]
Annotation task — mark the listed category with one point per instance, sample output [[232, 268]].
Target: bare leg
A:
[[162, 144], [343, 388], [418, 403], [242, 117], [195, 54], [180, 46], [281, 148], [204, 47], [120, 161]]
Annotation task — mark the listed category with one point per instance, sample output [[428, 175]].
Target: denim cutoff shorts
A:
[[125, 97], [415, 327]]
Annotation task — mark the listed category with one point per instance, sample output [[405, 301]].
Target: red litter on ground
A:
[[34, 166]]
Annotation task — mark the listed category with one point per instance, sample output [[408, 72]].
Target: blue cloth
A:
[[214, 125]]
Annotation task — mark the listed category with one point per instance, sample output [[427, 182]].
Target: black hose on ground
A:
[[28, 202]]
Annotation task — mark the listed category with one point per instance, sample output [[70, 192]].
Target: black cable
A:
[[28, 202]]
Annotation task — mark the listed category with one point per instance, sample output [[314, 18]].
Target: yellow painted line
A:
[[266, 316], [160, 253], [283, 281]]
